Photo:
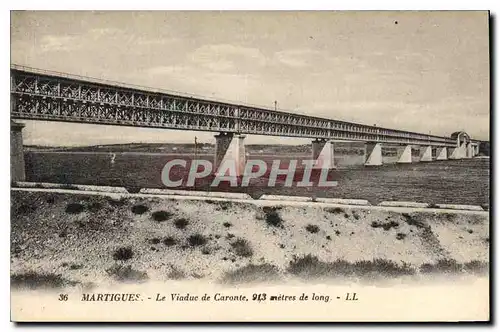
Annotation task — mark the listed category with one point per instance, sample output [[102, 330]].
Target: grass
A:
[[123, 254], [126, 273], [252, 274], [310, 267], [161, 215], [34, 280], [196, 240], [139, 209], [451, 266], [74, 208], [176, 274], [224, 205], [181, 223], [312, 228], [242, 248]]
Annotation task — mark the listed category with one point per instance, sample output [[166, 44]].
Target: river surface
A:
[[463, 181]]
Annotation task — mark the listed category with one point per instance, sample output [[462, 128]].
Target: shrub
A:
[[242, 248], [386, 226], [273, 218], [312, 228], [126, 273], [176, 274], [400, 236], [161, 215], [34, 280], [181, 223], [74, 208], [169, 241], [123, 254], [139, 209], [310, 267], [197, 240], [252, 274], [335, 210], [94, 206]]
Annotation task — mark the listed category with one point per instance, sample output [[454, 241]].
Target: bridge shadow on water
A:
[[463, 181]]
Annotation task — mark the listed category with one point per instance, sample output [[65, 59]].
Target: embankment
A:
[[64, 237]]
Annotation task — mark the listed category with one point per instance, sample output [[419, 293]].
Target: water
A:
[[463, 181]]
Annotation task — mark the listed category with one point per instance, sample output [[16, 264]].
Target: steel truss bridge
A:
[[42, 95]]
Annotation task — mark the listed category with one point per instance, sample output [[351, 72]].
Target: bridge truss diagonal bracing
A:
[[41, 95]]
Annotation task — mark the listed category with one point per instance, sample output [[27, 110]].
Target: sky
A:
[[419, 71]]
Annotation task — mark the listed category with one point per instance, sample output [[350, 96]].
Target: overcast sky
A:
[[417, 71]]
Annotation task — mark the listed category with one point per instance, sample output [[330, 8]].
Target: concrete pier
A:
[[426, 153], [404, 154], [230, 147], [323, 153], [373, 154], [17, 166], [442, 153]]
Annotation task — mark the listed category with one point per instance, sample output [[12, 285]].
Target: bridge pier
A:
[[373, 154], [230, 147], [458, 152], [426, 153], [442, 153], [469, 150], [323, 154], [17, 166], [404, 154]]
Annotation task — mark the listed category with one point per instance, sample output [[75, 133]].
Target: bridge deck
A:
[[42, 95]]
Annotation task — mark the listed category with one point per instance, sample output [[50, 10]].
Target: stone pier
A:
[[230, 147], [426, 153], [404, 154], [323, 153], [17, 166], [373, 154]]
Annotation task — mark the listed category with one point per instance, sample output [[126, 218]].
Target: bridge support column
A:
[[373, 154], [442, 153], [426, 153], [323, 153], [458, 152], [230, 147], [404, 154], [475, 150], [468, 150], [17, 166]]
